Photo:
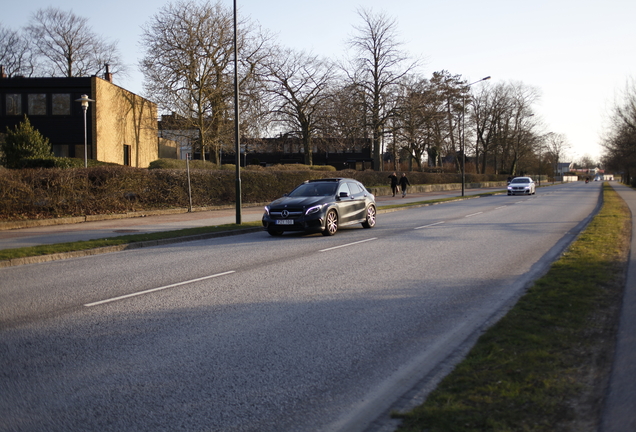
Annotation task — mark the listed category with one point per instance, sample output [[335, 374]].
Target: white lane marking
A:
[[497, 208], [348, 244], [157, 289], [473, 214], [429, 225]]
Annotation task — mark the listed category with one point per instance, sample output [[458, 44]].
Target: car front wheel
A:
[[370, 220], [331, 224]]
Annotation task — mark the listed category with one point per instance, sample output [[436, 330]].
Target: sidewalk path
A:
[[619, 414], [52, 234]]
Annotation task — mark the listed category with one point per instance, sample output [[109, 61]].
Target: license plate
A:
[[285, 222]]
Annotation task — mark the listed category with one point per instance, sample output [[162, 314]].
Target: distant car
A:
[[321, 206], [521, 186]]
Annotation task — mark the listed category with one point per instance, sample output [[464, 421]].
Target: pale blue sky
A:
[[578, 54]]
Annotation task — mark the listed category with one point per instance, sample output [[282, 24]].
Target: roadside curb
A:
[[30, 223]]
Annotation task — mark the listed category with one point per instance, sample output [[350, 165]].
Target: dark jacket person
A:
[[404, 182]]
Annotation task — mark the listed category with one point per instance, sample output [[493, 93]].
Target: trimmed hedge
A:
[[56, 192]]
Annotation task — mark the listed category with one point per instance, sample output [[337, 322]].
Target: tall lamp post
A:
[[540, 154], [84, 100], [464, 135], [237, 141]]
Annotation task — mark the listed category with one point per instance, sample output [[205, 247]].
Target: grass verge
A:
[[544, 366], [8, 254]]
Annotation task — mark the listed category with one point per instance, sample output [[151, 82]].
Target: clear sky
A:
[[578, 54]]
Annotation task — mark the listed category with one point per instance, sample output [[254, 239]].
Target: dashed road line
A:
[[113, 299]]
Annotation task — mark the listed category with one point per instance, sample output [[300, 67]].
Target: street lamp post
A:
[[464, 135], [540, 154], [84, 100], [237, 141]]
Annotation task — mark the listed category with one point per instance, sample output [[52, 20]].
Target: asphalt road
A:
[[260, 333]]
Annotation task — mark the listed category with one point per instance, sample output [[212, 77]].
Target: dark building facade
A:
[[50, 106], [121, 127], [289, 150]]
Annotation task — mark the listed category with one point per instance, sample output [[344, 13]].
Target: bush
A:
[[181, 164], [56, 192], [323, 168], [51, 162], [23, 142]]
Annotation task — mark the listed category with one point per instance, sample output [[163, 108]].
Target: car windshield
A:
[[521, 180], [314, 189]]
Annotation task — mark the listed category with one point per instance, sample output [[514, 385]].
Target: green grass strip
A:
[[542, 366], [7, 254]]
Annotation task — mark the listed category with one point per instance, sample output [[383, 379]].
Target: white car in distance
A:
[[521, 186]]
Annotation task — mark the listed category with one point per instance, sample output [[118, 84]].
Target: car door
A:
[[358, 198], [346, 203]]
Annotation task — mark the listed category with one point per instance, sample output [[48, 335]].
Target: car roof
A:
[[335, 180]]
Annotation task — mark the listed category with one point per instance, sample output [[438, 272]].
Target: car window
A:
[[326, 189], [354, 188], [313, 189], [520, 180], [363, 188], [343, 188]]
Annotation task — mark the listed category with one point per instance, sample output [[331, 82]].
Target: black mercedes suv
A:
[[321, 206]]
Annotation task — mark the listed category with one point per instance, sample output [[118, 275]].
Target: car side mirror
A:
[[344, 194]]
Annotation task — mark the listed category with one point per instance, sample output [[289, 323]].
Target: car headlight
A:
[[314, 209], [267, 210]]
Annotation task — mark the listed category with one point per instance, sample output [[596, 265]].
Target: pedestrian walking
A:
[[394, 183], [403, 183]]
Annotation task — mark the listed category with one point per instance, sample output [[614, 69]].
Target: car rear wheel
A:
[[331, 223], [370, 221]]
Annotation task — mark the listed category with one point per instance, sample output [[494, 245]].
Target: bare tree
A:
[[377, 68], [620, 139], [505, 135], [419, 115], [15, 53], [300, 84], [188, 67], [557, 145], [522, 139], [344, 117], [450, 93], [64, 44], [586, 162], [488, 108]]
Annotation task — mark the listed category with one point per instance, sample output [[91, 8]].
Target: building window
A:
[[126, 155], [37, 104], [61, 104], [14, 104]]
